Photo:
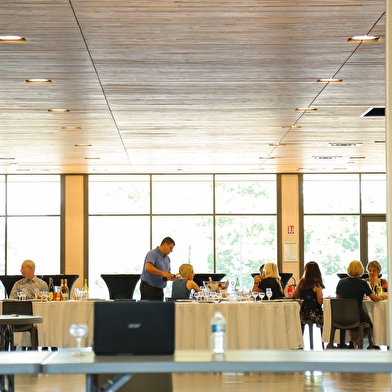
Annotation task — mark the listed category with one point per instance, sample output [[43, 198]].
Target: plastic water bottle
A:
[[218, 333]]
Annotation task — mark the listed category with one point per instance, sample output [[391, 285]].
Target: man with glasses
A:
[[156, 271]]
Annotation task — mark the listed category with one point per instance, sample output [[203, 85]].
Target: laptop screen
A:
[[134, 328]]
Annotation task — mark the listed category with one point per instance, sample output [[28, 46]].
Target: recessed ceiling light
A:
[[266, 157], [38, 81], [327, 157], [58, 110], [306, 109], [92, 158], [331, 80], [379, 141], [276, 144], [357, 158], [292, 127], [12, 38], [71, 128], [363, 38], [6, 158], [344, 144], [82, 145]]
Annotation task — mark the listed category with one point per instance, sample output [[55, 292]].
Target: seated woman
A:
[[310, 290], [258, 278], [271, 280], [374, 270], [354, 287], [181, 288]]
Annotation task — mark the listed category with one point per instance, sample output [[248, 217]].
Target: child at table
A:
[[182, 287]]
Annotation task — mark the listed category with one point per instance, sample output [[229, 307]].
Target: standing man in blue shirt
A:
[[156, 271]]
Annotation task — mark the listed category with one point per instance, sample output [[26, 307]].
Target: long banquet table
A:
[[260, 325], [378, 314]]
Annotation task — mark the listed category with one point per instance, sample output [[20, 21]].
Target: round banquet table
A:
[[260, 325]]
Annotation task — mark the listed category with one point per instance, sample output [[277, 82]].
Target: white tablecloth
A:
[[57, 318], [261, 325], [378, 313]]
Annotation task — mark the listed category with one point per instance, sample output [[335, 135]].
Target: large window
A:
[[334, 206], [30, 223], [221, 223]]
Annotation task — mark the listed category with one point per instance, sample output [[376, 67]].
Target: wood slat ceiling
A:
[[167, 86]]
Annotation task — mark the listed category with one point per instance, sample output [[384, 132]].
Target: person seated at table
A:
[[258, 278], [310, 290], [29, 282], [356, 288], [181, 288], [271, 280], [374, 270]]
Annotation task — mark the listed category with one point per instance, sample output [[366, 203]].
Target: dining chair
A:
[[310, 324], [8, 282], [121, 286], [25, 308], [345, 315]]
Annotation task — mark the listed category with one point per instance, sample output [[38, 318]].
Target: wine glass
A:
[[268, 293], [78, 331], [261, 295], [254, 294]]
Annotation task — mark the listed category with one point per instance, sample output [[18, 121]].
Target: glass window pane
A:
[[2, 195], [182, 194], [117, 245], [2, 246], [193, 236], [243, 244], [377, 245], [374, 193], [34, 238], [119, 194], [331, 241], [33, 195], [331, 193], [246, 194]]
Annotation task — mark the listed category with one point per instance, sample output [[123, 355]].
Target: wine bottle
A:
[[64, 290], [85, 290], [51, 290]]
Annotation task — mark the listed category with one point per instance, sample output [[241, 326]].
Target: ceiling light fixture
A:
[[92, 158], [38, 81], [58, 110], [12, 38], [71, 128], [292, 127], [266, 157], [344, 144], [330, 80], [327, 157], [364, 38], [82, 145], [307, 110]]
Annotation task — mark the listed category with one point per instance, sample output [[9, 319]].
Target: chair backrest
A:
[[345, 313], [9, 281], [18, 307], [285, 277], [121, 286]]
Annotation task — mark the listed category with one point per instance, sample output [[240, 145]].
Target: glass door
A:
[[374, 241]]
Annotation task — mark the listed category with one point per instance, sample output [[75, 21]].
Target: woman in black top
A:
[[271, 280]]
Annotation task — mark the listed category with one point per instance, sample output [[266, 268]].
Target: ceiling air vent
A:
[[375, 112]]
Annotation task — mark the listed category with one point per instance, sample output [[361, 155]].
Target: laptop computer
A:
[[134, 328]]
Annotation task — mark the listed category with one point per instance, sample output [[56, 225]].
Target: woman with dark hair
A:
[[310, 290]]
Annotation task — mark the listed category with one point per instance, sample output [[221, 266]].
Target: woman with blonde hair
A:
[[374, 270], [356, 288], [271, 280], [181, 288]]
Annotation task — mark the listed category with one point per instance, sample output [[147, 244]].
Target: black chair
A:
[[8, 282], [284, 278], [121, 286], [310, 325], [364, 276], [345, 315], [25, 308], [200, 278]]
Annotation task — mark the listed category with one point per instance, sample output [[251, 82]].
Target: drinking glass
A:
[[255, 294], [261, 295], [78, 331], [78, 294], [268, 293]]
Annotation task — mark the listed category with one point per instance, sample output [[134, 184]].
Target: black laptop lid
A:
[[134, 328]]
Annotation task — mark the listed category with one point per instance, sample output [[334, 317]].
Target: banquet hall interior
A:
[[250, 131]]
